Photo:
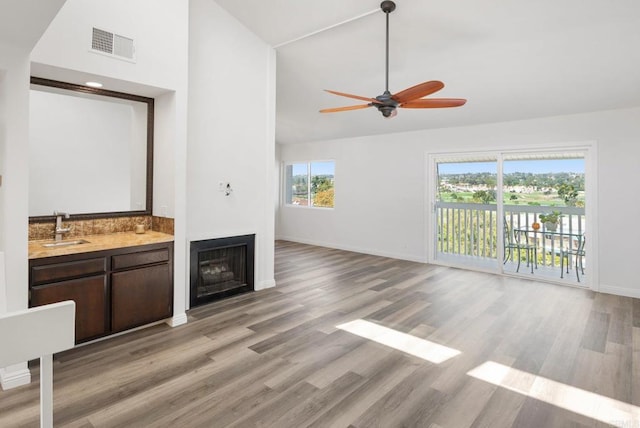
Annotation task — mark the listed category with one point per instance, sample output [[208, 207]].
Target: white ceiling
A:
[[22, 22], [512, 59]]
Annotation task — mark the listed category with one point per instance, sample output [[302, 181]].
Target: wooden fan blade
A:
[[434, 103], [335, 109], [418, 91], [357, 97]]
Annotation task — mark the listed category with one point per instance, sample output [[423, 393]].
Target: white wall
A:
[[165, 160], [231, 134], [14, 135], [158, 28], [14, 132], [380, 187]]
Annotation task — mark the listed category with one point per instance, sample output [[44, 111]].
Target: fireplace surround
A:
[[220, 268]]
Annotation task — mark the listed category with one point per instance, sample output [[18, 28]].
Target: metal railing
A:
[[571, 225]]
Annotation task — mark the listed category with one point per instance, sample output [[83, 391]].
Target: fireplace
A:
[[221, 268]]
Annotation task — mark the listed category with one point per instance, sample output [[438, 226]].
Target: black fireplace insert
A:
[[221, 267]]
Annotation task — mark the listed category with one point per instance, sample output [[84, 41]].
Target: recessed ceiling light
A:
[[94, 84]]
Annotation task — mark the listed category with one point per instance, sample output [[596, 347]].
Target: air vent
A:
[[111, 44]]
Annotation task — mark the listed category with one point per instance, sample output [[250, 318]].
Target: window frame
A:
[[286, 187]]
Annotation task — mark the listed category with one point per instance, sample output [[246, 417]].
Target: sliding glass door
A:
[[516, 213], [465, 211]]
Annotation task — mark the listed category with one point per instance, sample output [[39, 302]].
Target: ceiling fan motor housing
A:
[[387, 104], [387, 6], [386, 111]]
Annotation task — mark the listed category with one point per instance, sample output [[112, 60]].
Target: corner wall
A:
[[381, 187], [14, 143]]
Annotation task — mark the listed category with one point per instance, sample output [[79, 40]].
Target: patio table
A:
[[567, 240]]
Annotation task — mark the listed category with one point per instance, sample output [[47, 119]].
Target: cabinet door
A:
[[141, 296], [90, 295]]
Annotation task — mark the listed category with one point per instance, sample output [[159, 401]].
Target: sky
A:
[[317, 168], [510, 166]]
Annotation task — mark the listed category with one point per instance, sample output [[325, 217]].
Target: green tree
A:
[[320, 183], [484, 196], [568, 193]]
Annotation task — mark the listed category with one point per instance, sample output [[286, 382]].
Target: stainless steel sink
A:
[[65, 243]]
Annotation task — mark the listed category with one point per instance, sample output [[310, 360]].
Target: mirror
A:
[[90, 152]]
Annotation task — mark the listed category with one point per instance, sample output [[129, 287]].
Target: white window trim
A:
[[283, 186]]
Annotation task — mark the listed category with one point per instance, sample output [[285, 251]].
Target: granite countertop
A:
[[97, 243]]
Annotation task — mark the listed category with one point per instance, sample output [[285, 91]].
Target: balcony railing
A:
[[468, 229]]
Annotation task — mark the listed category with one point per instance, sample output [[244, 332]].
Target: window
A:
[[310, 184]]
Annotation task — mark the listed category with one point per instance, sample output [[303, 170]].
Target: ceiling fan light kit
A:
[[412, 97]]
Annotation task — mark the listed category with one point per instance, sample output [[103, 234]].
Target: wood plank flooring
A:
[[276, 358]]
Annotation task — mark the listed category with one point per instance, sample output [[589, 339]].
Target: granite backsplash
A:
[[101, 226]]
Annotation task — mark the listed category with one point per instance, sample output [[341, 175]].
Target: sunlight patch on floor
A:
[[407, 343], [568, 397]]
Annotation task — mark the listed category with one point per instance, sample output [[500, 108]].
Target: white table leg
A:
[[46, 391]]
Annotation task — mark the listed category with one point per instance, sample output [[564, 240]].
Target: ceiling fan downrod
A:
[[387, 7], [387, 106]]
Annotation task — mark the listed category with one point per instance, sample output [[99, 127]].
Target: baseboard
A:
[[14, 378], [268, 283], [391, 255], [177, 320], [619, 291]]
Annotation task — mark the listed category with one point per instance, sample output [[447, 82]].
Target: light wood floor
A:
[[275, 357]]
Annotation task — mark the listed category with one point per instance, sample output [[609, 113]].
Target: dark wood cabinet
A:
[[114, 290], [140, 296], [90, 295]]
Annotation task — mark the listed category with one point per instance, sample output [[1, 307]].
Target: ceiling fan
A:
[[408, 98]]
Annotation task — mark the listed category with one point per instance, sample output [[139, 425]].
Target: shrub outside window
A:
[[310, 184]]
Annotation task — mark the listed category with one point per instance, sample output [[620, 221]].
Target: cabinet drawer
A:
[[59, 271], [124, 261]]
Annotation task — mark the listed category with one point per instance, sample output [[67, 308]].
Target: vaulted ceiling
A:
[[22, 22], [512, 59]]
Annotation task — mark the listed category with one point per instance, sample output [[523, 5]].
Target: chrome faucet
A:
[[59, 229]]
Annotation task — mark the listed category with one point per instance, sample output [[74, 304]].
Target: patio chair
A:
[[577, 253], [513, 245]]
